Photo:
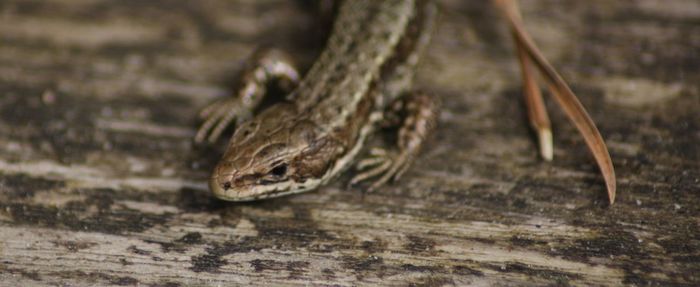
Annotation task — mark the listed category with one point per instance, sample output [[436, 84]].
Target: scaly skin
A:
[[368, 65], [299, 144]]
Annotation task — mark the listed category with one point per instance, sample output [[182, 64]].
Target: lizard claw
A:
[[380, 162], [217, 117]]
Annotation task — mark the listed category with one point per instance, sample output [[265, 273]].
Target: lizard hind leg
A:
[[264, 66], [419, 114]]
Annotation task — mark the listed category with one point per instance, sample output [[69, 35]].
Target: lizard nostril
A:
[[227, 185]]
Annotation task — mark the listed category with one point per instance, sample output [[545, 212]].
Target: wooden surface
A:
[[100, 183]]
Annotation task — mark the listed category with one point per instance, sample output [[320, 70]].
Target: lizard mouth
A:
[[219, 189], [223, 187], [225, 190]]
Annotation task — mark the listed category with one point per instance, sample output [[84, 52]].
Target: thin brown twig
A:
[[564, 96]]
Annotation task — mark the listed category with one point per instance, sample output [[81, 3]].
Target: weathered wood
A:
[[100, 184]]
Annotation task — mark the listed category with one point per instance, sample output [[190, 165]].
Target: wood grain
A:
[[100, 183]]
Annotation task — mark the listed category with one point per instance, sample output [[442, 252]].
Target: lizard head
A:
[[270, 156]]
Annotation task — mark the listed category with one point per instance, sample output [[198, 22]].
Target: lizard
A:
[[362, 81]]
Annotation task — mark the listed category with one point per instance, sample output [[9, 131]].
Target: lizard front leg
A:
[[264, 66], [418, 112]]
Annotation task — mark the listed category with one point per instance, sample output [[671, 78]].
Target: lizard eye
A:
[[279, 170]]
